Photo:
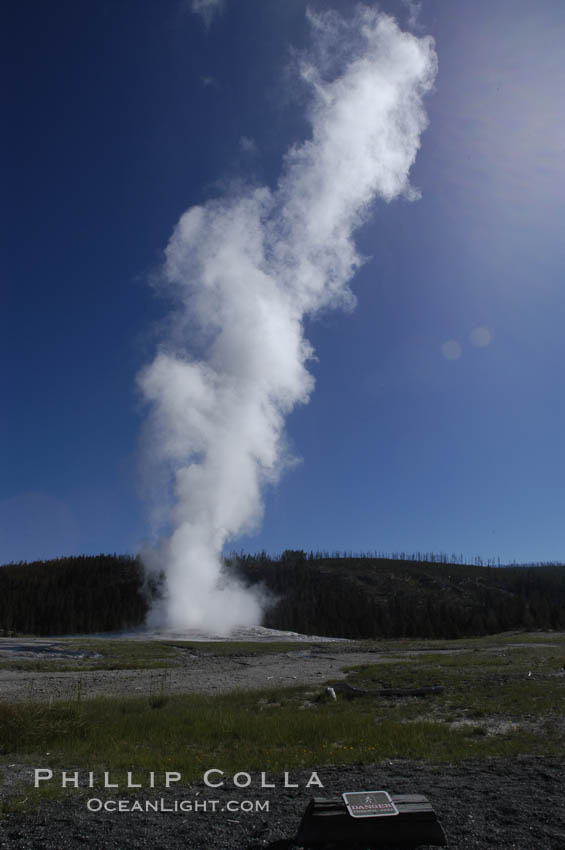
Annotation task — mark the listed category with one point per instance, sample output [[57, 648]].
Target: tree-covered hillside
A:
[[72, 595], [354, 597], [367, 597]]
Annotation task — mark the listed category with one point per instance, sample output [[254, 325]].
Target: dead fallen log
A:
[[426, 691], [351, 692]]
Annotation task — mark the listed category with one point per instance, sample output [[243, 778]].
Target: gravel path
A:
[[504, 804]]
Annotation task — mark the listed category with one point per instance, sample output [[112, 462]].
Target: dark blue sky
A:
[[437, 419]]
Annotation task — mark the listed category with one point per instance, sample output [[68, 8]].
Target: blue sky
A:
[[436, 421]]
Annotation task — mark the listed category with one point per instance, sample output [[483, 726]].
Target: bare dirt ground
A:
[[202, 673], [497, 804], [194, 671]]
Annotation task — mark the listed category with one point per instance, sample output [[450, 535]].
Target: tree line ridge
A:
[[350, 596]]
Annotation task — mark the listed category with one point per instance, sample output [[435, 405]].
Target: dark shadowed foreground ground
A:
[[516, 804]]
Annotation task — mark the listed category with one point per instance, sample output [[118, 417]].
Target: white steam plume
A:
[[244, 271], [207, 9]]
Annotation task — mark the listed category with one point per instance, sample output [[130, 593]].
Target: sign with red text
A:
[[369, 804]]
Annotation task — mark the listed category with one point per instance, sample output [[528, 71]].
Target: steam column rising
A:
[[244, 271]]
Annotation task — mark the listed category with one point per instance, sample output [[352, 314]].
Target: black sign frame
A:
[[369, 804]]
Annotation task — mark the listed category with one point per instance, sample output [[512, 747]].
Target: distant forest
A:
[[73, 595], [364, 596]]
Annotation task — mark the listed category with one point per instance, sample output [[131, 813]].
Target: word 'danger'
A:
[[369, 804]]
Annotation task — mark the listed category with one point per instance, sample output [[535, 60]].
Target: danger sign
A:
[[369, 804]]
